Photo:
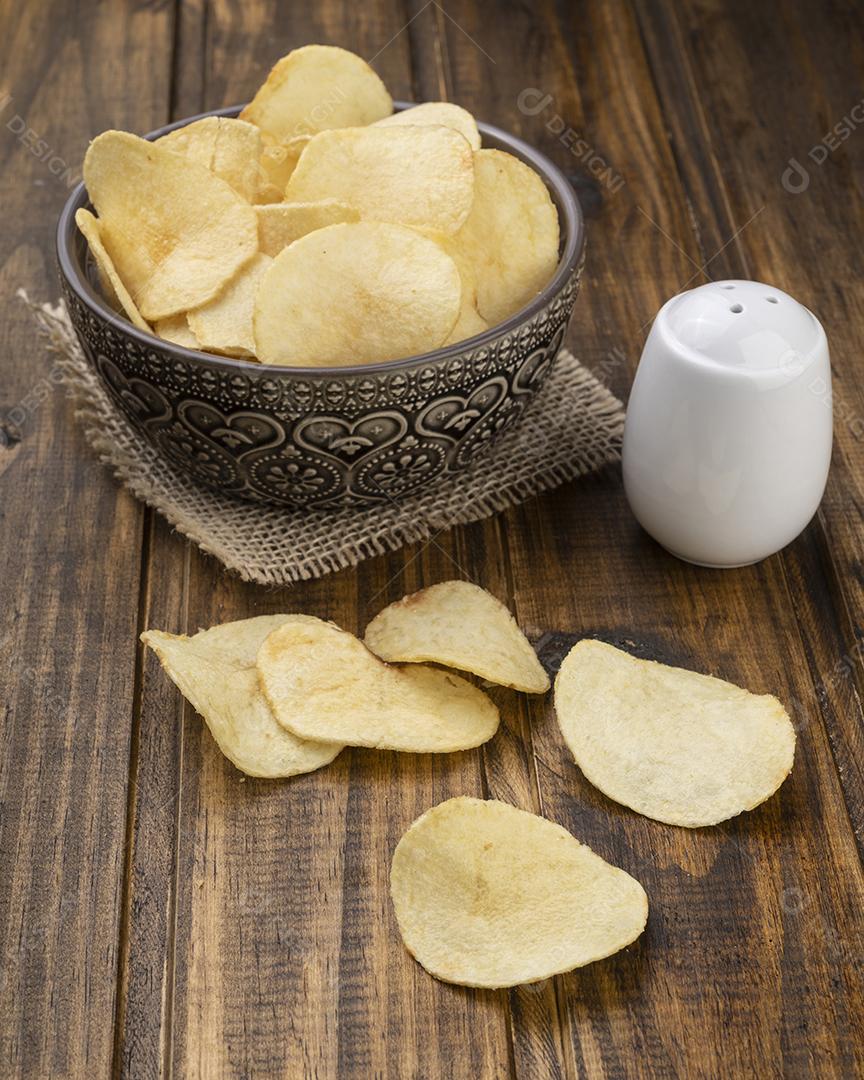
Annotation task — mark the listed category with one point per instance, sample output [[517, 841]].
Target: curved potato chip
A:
[[175, 232], [315, 88], [679, 747], [225, 324], [442, 113], [355, 294], [215, 671], [278, 161], [508, 247], [176, 328], [322, 683], [229, 148], [296, 145], [470, 322], [116, 292], [487, 895], [459, 625], [280, 224], [410, 175], [240, 640]]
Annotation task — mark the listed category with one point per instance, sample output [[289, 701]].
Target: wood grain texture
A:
[[70, 547], [165, 916], [599, 575], [783, 245]]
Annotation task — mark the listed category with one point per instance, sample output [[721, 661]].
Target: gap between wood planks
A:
[[131, 794]]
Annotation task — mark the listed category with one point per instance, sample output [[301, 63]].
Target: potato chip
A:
[[215, 671], [175, 232], [442, 113], [115, 291], [225, 324], [280, 224], [490, 896], [679, 747], [177, 330], [410, 175], [355, 294], [240, 640], [508, 247], [459, 625], [296, 145], [315, 88], [278, 161], [322, 683], [229, 148], [470, 322]]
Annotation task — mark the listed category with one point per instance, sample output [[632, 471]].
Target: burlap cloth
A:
[[573, 427]]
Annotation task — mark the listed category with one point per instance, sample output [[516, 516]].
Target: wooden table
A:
[[164, 916]]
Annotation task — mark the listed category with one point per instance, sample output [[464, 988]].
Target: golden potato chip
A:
[[487, 895], [296, 145], [114, 289], [176, 329], [442, 113], [410, 175], [679, 747], [280, 224], [322, 683], [315, 88], [240, 640], [508, 247], [225, 324], [175, 232], [470, 322], [355, 294], [215, 671], [278, 161], [229, 148], [459, 625]]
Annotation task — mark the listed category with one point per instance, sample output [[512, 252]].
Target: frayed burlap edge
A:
[[573, 427]]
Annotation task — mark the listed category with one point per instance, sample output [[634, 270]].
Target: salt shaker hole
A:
[[772, 299], [737, 308]]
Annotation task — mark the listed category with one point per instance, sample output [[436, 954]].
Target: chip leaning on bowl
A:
[[303, 236]]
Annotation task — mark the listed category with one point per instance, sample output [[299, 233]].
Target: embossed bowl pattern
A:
[[326, 437]]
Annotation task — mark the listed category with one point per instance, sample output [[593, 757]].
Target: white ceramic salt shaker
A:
[[728, 434]]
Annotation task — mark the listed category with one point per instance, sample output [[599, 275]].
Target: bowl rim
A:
[[572, 225]]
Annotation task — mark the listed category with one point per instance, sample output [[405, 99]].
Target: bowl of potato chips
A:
[[323, 298]]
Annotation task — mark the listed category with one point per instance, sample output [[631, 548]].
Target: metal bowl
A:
[[326, 437]]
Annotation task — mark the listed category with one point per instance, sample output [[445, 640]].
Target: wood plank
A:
[[768, 910], [145, 972], [70, 545], [822, 567]]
